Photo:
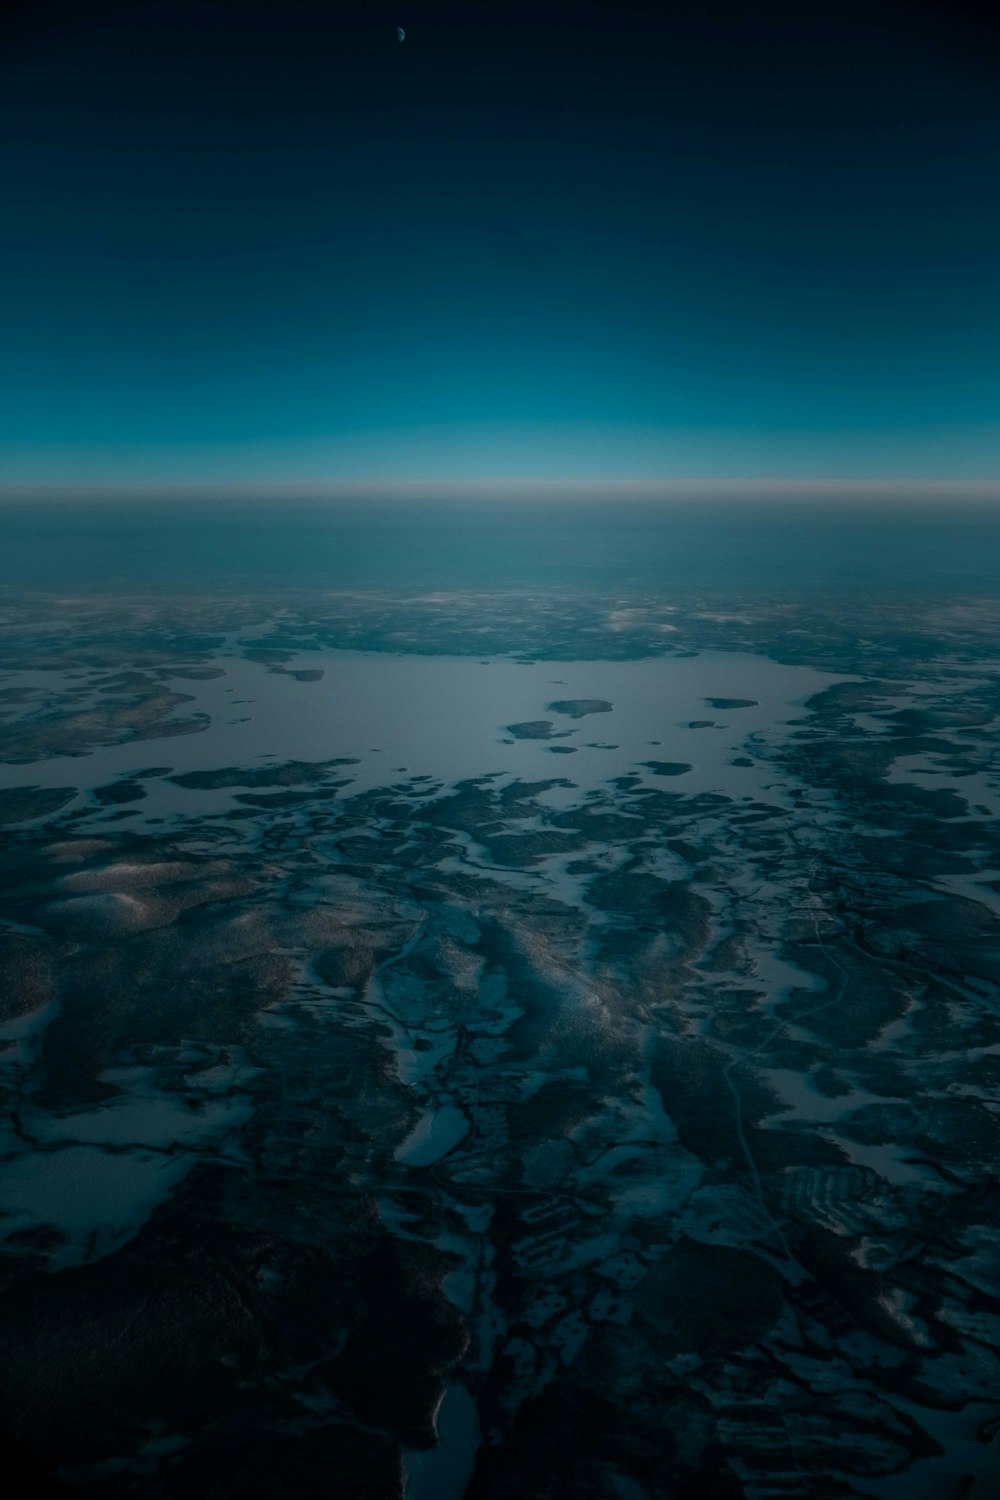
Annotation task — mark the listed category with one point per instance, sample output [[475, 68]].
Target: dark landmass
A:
[[579, 708], [656, 1128], [290, 773], [22, 803], [117, 792], [535, 729]]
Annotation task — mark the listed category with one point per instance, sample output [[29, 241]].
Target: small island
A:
[[578, 708], [531, 729]]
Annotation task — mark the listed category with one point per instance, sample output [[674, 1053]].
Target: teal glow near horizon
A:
[[512, 249], [546, 453]]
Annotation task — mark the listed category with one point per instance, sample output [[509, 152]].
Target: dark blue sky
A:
[[268, 242]]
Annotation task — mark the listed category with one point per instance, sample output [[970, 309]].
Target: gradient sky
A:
[[266, 242]]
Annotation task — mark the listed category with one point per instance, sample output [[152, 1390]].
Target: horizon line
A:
[[522, 487]]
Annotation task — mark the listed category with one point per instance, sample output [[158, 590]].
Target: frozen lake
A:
[[446, 717]]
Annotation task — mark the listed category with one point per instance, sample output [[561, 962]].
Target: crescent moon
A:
[[400, 34]]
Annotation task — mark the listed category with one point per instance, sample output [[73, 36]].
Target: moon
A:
[[400, 34]]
